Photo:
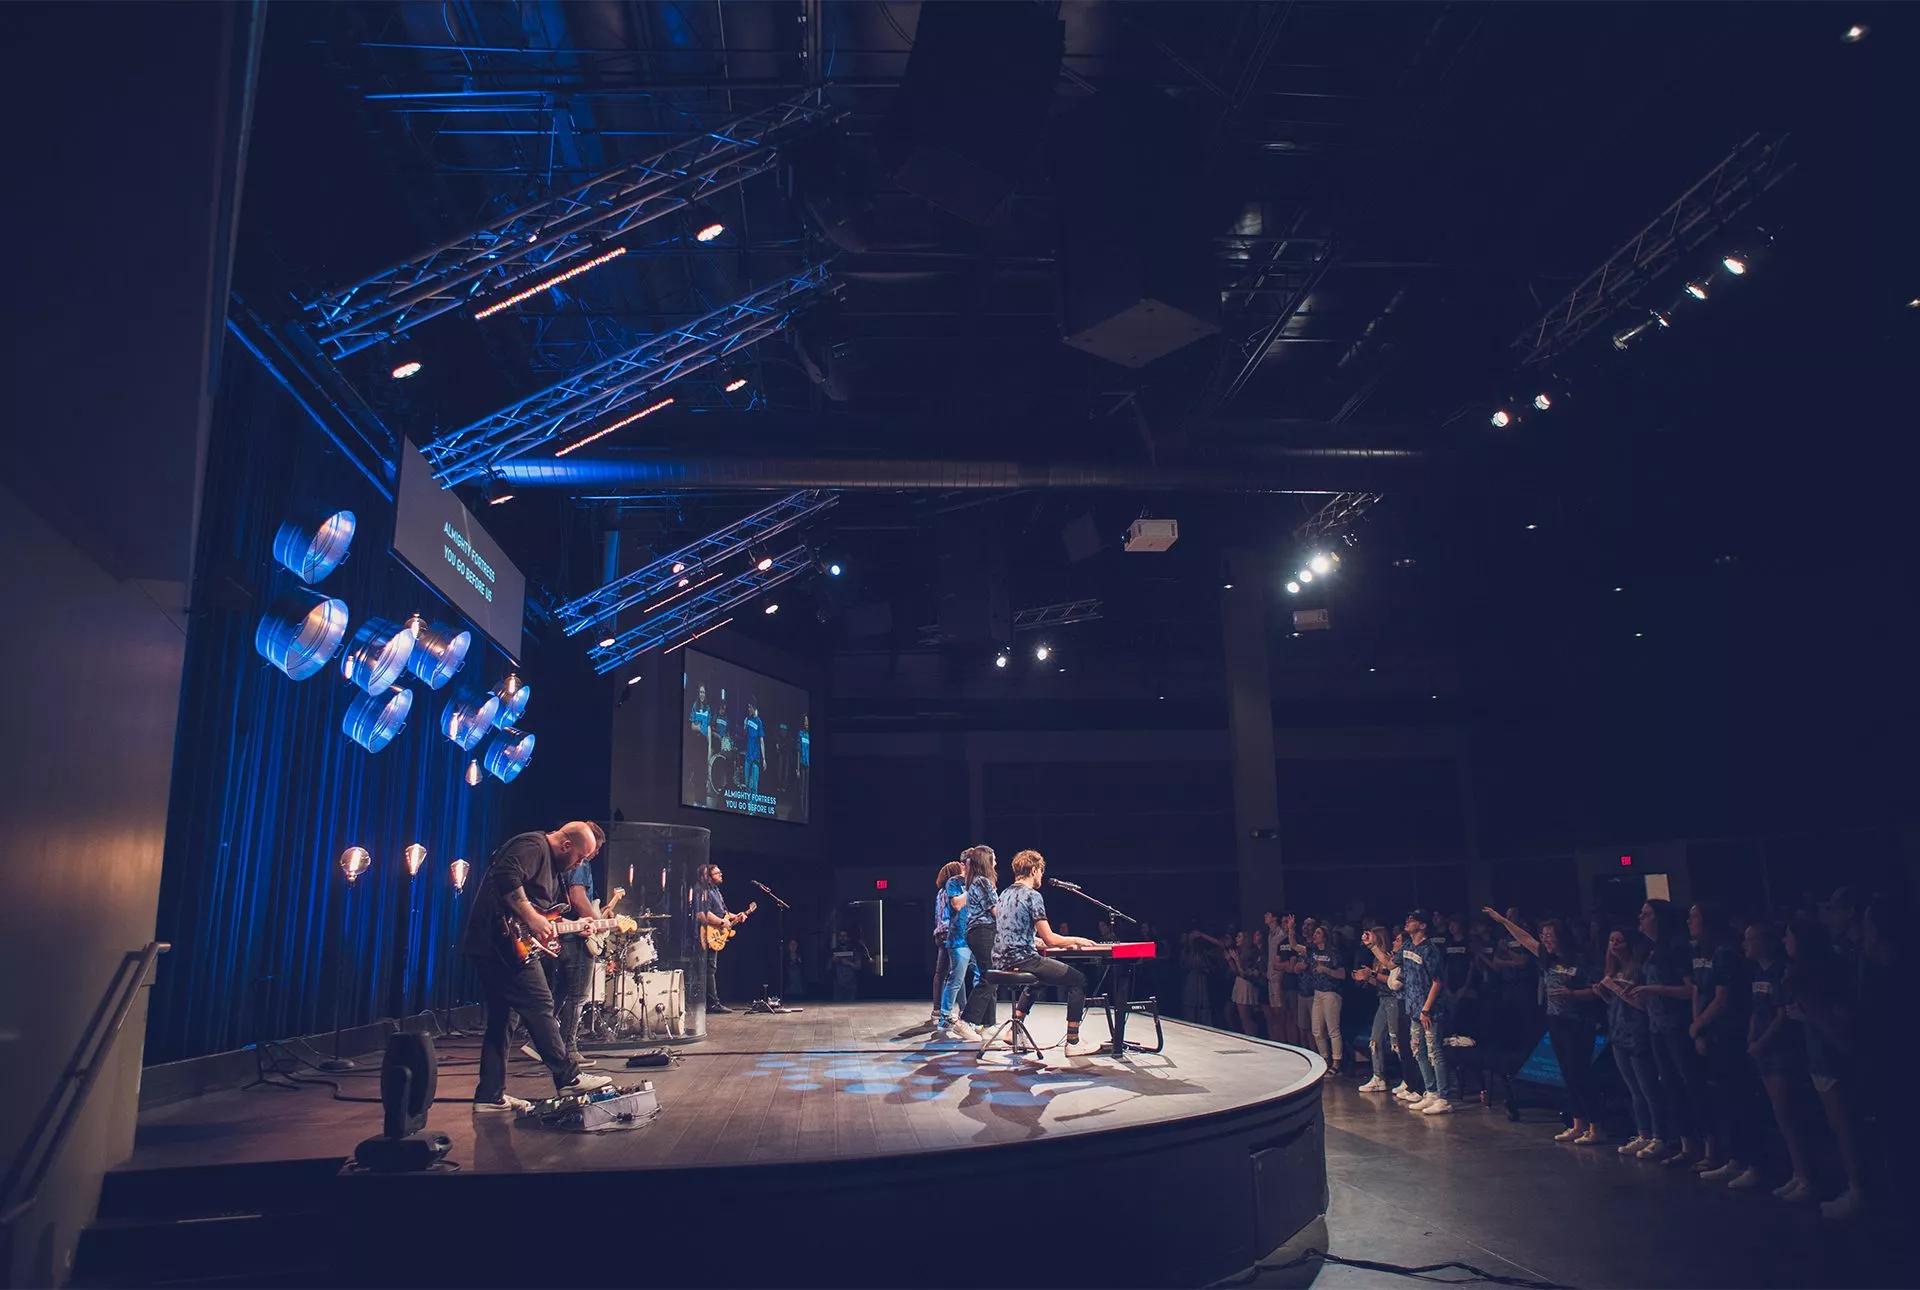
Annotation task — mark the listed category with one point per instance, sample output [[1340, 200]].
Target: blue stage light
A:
[[438, 652], [466, 719], [513, 694], [301, 632], [373, 720], [312, 548], [378, 655], [508, 755]]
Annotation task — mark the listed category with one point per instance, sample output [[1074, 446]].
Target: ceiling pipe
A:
[[1284, 470]]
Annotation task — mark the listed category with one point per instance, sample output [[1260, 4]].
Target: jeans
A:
[[980, 1010], [1682, 1086], [1061, 976], [1736, 1100], [567, 977], [1572, 1040], [942, 969], [959, 958], [710, 969], [1430, 1054], [1642, 1078], [1386, 1034], [1326, 1024], [753, 777], [523, 990]]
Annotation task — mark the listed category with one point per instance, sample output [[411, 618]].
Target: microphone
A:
[[1063, 884]]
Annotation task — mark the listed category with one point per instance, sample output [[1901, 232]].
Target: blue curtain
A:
[[268, 791]]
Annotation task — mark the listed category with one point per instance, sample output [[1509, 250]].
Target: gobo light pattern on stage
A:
[[301, 632], [508, 755], [311, 549], [466, 719], [513, 694], [378, 655], [438, 653], [373, 720]]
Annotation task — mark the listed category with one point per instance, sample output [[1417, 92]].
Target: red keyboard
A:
[[1107, 950]]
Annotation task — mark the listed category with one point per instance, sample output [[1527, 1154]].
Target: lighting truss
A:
[[1676, 232], [690, 561], [540, 240], [1058, 615], [1341, 512], [572, 406], [670, 624]]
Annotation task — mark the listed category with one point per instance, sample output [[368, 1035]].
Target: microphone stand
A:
[[1120, 1003], [1093, 900], [769, 1001]]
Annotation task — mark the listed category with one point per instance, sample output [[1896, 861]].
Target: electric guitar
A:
[[597, 943], [716, 938], [519, 946]]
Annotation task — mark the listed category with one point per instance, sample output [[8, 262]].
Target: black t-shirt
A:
[[523, 860]]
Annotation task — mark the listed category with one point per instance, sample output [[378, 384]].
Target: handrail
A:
[[35, 1158]]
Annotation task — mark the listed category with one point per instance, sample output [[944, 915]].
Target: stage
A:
[[829, 1146]]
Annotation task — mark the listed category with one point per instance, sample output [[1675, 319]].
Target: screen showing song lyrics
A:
[[439, 537], [746, 744]]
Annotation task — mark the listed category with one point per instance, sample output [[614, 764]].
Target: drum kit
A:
[[630, 994]]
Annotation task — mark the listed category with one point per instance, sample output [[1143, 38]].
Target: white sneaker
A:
[[939, 1035], [1374, 1085], [506, 1103], [1633, 1146], [1420, 1102], [1657, 1149], [966, 1031], [1723, 1173], [1795, 1188], [1847, 1204], [586, 1084], [1438, 1106], [1404, 1093], [1749, 1180]]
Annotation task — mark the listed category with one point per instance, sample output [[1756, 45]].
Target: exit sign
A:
[[879, 884], [1626, 862]]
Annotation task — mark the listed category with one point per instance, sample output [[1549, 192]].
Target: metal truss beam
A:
[[691, 562], [573, 404], [1696, 215], [1341, 512], [1063, 614], [683, 619], [540, 239]]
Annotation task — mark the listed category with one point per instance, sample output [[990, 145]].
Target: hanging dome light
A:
[[473, 773], [466, 718], [416, 857], [458, 871], [373, 720], [438, 652], [508, 755], [513, 694], [355, 861], [378, 655], [312, 547], [301, 632]]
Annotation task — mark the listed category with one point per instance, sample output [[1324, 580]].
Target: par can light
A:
[[378, 655], [373, 720], [508, 755], [301, 632], [312, 547]]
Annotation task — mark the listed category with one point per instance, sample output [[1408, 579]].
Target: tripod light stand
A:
[[354, 861]]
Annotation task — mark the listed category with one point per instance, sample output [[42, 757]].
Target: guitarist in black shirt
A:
[[522, 879]]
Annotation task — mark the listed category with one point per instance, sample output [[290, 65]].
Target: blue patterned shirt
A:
[[1015, 914]]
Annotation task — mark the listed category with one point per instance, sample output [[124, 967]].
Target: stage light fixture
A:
[[466, 719], [1501, 418], [355, 861], [458, 872], [606, 642], [762, 563], [409, 368], [622, 423], [1226, 586], [1698, 290], [438, 652], [1293, 588], [773, 608], [1734, 264], [311, 547], [635, 679], [508, 755], [1532, 527], [1662, 317], [378, 655], [1320, 564], [1542, 401], [373, 720], [301, 632], [416, 855], [683, 582], [679, 566], [1855, 34], [705, 224], [473, 773], [1042, 652], [513, 694], [1305, 575], [1000, 659], [834, 570], [554, 281], [733, 384]]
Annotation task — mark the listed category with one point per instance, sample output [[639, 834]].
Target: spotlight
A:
[[1662, 317], [679, 566], [409, 368], [1320, 564], [513, 694], [683, 582], [606, 642], [834, 570], [1293, 588], [1542, 401], [378, 655], [733, 384], [416, 856], [705, 224], [1501, 418], [762, 563], [1532, 527], [310, 548], [459, 869], [508, 755], [438, 652], [774, 608], [1698, 290], [635, 679], [473, 774], [1226, 586], [1305, 575], [553, 281], [1734, 264], [301, 632], [466, 718], [373, 720], [1042, 652], [355, 861], [1000, 659], [1855, 34], [498, 498]]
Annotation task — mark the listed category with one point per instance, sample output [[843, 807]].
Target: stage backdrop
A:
[[268, 791]]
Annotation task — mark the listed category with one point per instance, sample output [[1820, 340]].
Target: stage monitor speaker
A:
[[1136, 263], [970, 112]]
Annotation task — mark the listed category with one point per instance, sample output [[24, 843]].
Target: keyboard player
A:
[[1021, 933]]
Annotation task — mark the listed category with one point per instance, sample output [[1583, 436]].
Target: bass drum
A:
[[722, 772], [638, 952], [663, 1001]]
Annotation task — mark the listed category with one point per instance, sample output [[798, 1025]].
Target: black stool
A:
[[1022, 1037]]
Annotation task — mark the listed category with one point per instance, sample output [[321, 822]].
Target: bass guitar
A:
[[519, 946], [716, 938]]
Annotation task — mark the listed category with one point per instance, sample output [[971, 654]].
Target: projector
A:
[[1152, 535]]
